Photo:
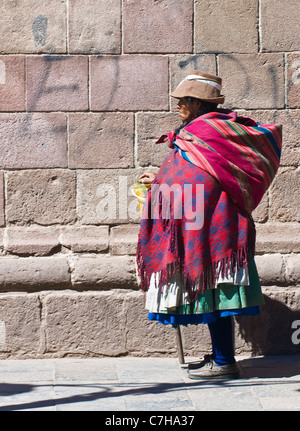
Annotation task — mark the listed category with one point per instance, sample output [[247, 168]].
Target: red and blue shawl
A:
[[235, 159]]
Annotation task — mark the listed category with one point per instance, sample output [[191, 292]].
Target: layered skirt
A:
[[234, 294]]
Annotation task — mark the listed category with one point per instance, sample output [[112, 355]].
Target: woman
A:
[[196, 243]]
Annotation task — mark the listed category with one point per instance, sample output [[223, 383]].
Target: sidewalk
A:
[[149, 384]]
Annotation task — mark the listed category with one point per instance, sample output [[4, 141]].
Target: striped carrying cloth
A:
[[241, 154]]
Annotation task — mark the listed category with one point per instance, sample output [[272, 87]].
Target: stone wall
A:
[[84, 93]]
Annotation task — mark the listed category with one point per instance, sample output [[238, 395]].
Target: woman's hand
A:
[[147, 178]]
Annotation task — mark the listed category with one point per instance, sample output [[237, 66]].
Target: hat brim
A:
[[218, 100], [200, 92]]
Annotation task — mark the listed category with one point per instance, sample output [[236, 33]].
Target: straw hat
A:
[[201, 85]]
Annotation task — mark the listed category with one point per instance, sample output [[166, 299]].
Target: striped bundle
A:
[[240, 153]]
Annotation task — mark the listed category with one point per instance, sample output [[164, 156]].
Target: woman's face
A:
[[188, 109]]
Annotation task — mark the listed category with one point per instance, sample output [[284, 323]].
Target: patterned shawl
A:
[[235, 160]]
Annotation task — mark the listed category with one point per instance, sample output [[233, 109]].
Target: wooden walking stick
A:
[[179, 345]]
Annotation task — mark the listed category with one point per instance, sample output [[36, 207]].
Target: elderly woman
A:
[[196, 243]]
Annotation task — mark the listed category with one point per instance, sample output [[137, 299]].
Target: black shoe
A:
[[197, 365], [211, 370]]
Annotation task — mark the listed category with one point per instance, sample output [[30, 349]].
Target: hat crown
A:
[[207, 76]]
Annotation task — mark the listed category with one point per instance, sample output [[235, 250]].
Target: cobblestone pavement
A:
[[146, 384]]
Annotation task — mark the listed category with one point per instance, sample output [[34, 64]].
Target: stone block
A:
[[104, 272], [94, 27], [182, 64], [31, 240], [33, 140], [285, 197], [164, 26], [292, 264], [2, 199], [12, 83], [104, 196], [276, 17], [44, 197], [20, 333], [34, 273], [150, 126], [33, 26], [143, 336], [270, 269], [293, 80], [57, 83], [237, 19], [129, 83], [123, 239], [90, 323], [252, 81], [103, 140], [85, 238], [277, 237]]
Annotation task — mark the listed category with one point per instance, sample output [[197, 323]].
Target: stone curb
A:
[[103, 271]]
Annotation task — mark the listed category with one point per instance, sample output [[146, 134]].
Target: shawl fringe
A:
[[205, 279]]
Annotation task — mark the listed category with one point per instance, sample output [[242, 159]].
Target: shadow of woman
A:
[[273, 332], [271, 367]]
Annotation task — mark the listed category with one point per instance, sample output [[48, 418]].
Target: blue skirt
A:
[[196, 319]]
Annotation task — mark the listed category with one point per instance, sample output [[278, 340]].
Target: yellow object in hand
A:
[[139, 191]]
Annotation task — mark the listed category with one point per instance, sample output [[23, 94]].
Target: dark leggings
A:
[[221, 332]]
